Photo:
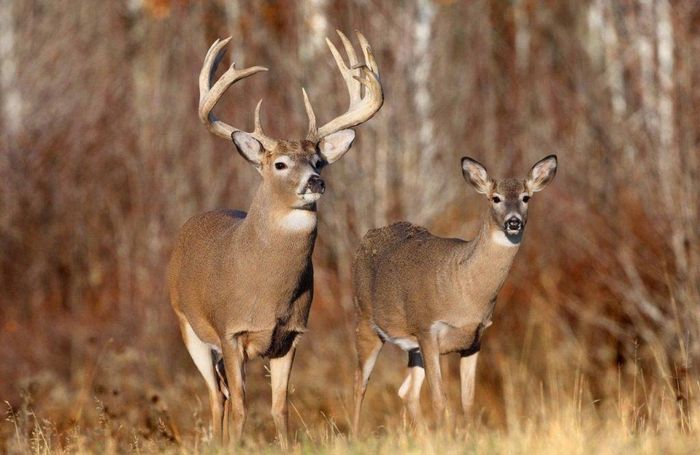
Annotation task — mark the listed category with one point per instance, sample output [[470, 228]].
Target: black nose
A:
[[316, 184], [514, 224]]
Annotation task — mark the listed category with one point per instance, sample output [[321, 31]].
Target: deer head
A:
[[291, 169], [509, 198]]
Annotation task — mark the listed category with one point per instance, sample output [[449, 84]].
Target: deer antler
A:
[[210, 94], [363, 104]]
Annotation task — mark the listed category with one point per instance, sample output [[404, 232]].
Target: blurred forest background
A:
[[103, 158]]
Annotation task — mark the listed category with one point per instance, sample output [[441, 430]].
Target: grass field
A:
[[132, 399]]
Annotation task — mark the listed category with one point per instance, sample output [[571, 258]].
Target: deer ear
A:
[[334, 146], [541, 174], [248, 147], [475, 173]]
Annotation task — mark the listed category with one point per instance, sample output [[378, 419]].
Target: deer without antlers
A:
[[432, 295], [241, 284]]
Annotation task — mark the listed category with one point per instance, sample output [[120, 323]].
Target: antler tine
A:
[[362, 105], [209, 95], [313, 130], [258, 131], [349, 50], [367, 51], [354, 66], [211, 62], [348, 72]]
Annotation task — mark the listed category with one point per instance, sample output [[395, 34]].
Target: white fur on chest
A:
[[499, 238], [439, 328], [299, 220]]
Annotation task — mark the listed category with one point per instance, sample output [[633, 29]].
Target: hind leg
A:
[[410, 389], [368, 346], [202, 356]]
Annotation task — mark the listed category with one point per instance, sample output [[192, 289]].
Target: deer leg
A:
[[368, 347], [223, 388], [234, 360], [410, 389], [467, 374], [280, 369], [202, 356], [431, 357]]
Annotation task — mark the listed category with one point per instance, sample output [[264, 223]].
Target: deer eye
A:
[[279, 166], [526, 198], [496, 199]]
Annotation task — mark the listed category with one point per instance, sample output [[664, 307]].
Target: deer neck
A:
[[485, 264], [274, 222]]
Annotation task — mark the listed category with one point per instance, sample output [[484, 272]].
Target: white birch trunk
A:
[[12, 105], [424, 190], [669, 159]]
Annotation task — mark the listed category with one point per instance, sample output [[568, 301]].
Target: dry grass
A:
[[129, 397], [595, 345], [133, 401]]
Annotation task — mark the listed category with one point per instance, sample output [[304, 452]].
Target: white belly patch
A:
[[405, 343]]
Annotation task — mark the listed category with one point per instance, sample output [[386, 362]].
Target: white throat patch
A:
[[499, 238], [299, 220]]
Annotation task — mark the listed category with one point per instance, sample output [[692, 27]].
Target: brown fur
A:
[[432, 292], [229, 247], [242, 284]]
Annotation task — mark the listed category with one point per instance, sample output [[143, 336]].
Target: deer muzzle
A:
[[513, 225], [315, 184]]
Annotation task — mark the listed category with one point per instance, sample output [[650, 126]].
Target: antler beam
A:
[[363, 103], [209, 95]]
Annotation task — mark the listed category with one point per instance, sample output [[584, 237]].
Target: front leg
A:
[[235, 412], [467, 374], [280, 370], [431, 357], [467, 368]]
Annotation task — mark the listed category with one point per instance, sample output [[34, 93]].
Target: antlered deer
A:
[[241, 284], [432, 295]]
